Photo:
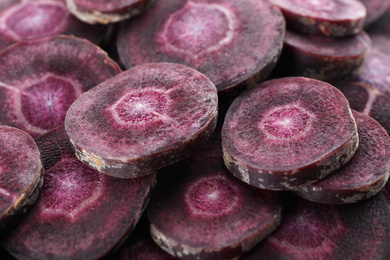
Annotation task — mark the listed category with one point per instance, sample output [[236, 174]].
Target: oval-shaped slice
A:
[[21, 175], [143, 119], [326, 58], [80, 213], [104, 12], [288, 132], [234, 43], [26, 20], [329, 232], [40, 79], [361, 177], [336, 18], [200, 211]]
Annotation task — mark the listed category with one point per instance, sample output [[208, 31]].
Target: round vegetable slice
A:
[[234, 43], [25, 20], [288, 132], [104, 12], [40, 79], [80, 213], [326, 58], [336, 18], [21, 175], [143, 119], [329, 232], [200, 211], [361, 177]]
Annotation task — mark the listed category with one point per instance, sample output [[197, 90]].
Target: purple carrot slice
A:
[[200, 211], [143, 119], [375, 10], [330, 232], [21, 175], [104, 12], [288, 132], [234, 43], [80, 213], [25, 20], [326, 58], [40, 79], [361, 177], [376, 71], [336, 18], [368, 100]]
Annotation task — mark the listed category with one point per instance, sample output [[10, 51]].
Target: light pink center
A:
[[33, 20], [139, 107], [44, 104], [69, 186], [212, 196], [199, 28], [286, 122]]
